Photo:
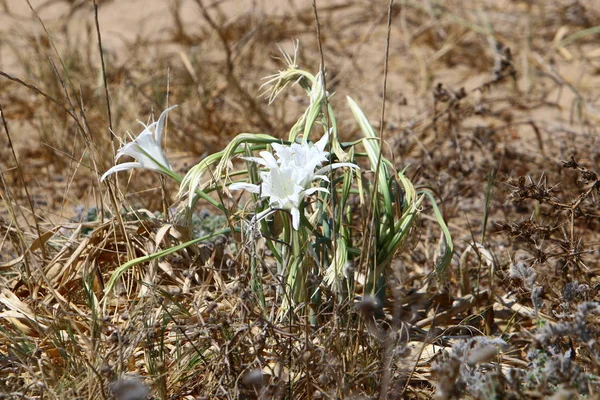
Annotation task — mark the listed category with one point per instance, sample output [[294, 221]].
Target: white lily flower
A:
[[306, 156], [146, 149], [288, 179]]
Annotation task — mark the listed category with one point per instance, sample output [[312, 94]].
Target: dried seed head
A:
[[254, 379], [129, 387], [368, 306], [482, 354]]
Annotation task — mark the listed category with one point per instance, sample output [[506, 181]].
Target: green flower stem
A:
[[256, 280], [202, 194], [119, 271]]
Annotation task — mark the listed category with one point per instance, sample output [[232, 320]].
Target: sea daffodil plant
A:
[[324, 237]]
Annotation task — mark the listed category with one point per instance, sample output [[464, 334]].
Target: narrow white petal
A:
[[322, 177], [161, 124], [263, 214], [322, 142], [344, 164], [310, 191], [295, 218], [257, 160], [280, 149], [269, 159], [328, 168], [121, 167], [129, 149], [245, 186]]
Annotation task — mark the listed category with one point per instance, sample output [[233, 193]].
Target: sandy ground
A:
[[354, 39], [124, 22], [121, 21]]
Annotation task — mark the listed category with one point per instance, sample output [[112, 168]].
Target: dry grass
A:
[[494, 106]]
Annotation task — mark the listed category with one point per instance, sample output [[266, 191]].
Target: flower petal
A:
[[310, 191], [263, 214], [257, 160], [152, 153], [322, 143], [322, 177], [329, 167], [245, 186], [270, 161], [280, 149], [161, 124], [121, 167], [295, 218], [344, 164]]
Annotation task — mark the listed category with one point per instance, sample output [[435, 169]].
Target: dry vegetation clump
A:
[[491, 106]]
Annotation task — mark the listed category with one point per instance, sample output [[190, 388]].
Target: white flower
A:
[[288, 179], [305, 156], [146, 149]]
